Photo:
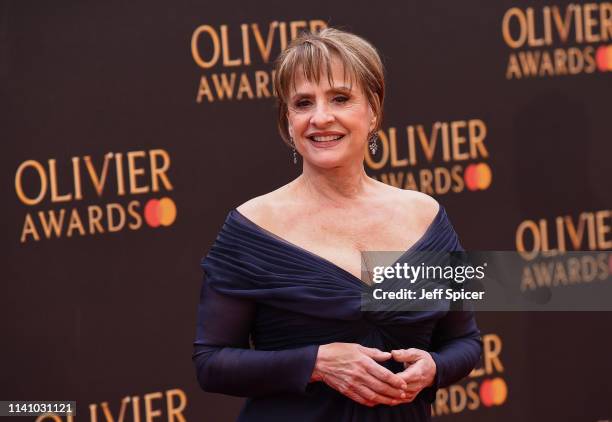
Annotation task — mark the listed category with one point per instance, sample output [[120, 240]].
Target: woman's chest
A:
[[342, 242]]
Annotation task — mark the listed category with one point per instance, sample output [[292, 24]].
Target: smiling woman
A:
[[313, 108], [280, 317], [340, 82]]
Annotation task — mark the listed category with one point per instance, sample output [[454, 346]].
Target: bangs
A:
[[311, 56], [313, 60]]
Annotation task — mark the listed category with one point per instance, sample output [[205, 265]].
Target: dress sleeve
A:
[[456, 347], [456, 342], [225, 363]]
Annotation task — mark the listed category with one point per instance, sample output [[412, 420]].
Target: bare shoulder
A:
[[415, 206], [424, 205], [263, 210]]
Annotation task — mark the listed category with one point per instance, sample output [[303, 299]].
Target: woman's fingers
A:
[[393, 381], [372, 397], [407, 355], [380, 372], [377, 355], [379, 384], [366, 389], [383, 388], [354, 371], [410, 396], [415, 376], [420, 370], [420, 366], [351, 389]]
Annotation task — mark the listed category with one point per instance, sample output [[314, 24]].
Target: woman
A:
[[284, 272]]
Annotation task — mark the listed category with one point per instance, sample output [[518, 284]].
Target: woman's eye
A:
[[302, 103], [341, 99]]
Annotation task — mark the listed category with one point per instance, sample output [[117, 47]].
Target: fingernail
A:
[[403, 395]]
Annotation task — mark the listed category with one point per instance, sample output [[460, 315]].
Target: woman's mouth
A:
[[326, 141]]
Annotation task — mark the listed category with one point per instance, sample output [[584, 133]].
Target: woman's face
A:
[[329, 124]]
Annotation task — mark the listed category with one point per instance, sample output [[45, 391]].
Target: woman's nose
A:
[[321, 115]]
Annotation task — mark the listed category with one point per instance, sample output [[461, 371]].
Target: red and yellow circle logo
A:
[[160, 212], [478, 176], [493, 392], [603, 58]]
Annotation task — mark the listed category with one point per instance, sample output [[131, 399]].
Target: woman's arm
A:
[[225, 363], [456, 347]]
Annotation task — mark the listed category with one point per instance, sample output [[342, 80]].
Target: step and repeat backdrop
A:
[[130, 129]]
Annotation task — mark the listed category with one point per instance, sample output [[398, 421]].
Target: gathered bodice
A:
[[298, 300]]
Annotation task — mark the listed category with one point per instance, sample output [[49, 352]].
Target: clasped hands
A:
[[353, 370]]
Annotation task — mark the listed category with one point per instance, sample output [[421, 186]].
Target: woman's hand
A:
[[353, 370], [420, 370]]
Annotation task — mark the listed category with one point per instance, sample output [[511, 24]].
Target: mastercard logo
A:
[[493, 392], [603, 58], [160, 212], [478, 176]]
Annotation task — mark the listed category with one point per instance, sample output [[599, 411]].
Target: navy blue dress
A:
[[267, 304]]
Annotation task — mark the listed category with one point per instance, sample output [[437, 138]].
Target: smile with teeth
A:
[[325, 138]]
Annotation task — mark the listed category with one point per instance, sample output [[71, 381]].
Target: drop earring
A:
[[372, 144], [294, 151]]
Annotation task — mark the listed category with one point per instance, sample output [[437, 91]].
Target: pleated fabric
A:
[[289, 301]]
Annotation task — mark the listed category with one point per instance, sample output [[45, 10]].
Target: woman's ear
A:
[[373, 121], [289, 127]]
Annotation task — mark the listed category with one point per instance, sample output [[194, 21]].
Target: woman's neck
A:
[[338, 186]]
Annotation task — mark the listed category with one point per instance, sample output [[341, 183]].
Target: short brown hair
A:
[[312, 52]]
